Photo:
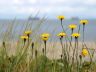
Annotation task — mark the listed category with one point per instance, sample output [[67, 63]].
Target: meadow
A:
[[30, 47]]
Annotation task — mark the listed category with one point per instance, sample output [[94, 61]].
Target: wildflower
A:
[[85, 52], [75, 35], [60, 17], [45, 36], [24, 38], [28, 32], [61, 34], [72, 26], [84, 22], [61, 20]]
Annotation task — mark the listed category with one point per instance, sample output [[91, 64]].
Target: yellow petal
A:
[[85, 52], [45, 36], [28, 32], [75, 35], [83, 21], [24, 37], [61, 34], [72, 26], [61, 17]]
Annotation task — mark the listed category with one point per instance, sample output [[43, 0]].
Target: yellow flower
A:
[[45, 36], [61, 34], [72, 26], [61, 17], [24, 37], [85, 52], [28, 32], [75, 35], [84, 22]]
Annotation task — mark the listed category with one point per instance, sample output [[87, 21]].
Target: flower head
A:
[[28, 32], [24, 37], [72, 26], [45, 36], [60, 17], [84, 22], [61, 34], [75, 35], [85, 52]]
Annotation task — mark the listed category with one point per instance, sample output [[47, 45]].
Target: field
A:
[[30, 47]]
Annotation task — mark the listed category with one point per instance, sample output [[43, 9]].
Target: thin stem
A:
[[43, 51], [36, 60], [71, 33], [24, 42], [45, 47], [5, 51], [77, 55], [71, 41], [32, 49], [28, 37], [64, 30], [83, 35], [61, 44], [88, 52], [74, 50], [62, 26], [79, 29]]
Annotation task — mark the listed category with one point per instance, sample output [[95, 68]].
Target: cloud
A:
[[90, 2], [51, 8]]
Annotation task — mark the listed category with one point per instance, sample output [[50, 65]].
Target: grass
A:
[[31, 54]]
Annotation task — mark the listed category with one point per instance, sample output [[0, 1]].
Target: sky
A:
[[48, 8]]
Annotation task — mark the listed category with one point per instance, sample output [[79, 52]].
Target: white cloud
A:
[[49, 7], [24, 1], [90, 2]]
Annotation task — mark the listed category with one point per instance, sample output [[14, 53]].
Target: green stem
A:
[[45, 47], [32, 49], [64, 31], [77, 54], [83, 35], [62, 26], [36, 60], [61, 44], [71, 34], [71, 41]]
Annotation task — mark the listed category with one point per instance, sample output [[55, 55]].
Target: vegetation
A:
[[21, 51]]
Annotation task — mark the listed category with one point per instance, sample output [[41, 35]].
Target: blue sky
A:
[[48, 8]]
